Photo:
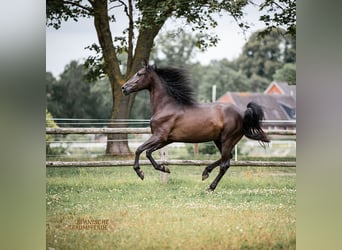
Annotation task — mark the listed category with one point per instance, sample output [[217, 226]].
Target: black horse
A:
[[178, 118]]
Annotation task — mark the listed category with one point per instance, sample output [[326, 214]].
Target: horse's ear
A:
[[144, 63]]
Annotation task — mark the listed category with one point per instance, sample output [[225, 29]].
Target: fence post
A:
[[164, 177], [196, 149]]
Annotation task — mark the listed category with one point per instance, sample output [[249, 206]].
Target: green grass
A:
[[252, 208]]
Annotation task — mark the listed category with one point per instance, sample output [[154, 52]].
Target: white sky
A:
[[68, 42]]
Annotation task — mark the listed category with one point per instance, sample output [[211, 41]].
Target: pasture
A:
[[111, 208]]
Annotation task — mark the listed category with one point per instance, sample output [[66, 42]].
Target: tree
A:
[[102, 99], [224, 76], [286, 74], [72, 96], [279, 13], [175, 48], [145, 19], [262, 55]]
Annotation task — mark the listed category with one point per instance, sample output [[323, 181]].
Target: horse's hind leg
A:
[[227, 147], [212, 166], [223, 169]]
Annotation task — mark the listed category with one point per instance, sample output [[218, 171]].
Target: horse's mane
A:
[[178, 84]]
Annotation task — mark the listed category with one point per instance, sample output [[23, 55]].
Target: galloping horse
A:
[[178, 118]]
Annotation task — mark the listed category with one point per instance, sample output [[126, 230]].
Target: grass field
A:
[[111, 208]]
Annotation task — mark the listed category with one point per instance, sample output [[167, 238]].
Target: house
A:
[[278, 102], [281, 88]]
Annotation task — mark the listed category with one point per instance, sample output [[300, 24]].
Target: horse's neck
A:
[[159, 97]]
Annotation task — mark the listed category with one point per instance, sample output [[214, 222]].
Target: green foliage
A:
[[74, 97], [207, 148], [279, 13], [222, 74], [94, 64], [100, 93], [149, 15], [175, 48], [262, 56], [257, 83], [58, 11], [286, 74], [50, 123]]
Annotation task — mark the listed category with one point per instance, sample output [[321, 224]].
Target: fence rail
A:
[[146, 130], [166, 162]]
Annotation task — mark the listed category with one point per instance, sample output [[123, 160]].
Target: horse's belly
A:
[[194, 133]]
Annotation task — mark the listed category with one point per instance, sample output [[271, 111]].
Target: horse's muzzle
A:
[[125, 91]]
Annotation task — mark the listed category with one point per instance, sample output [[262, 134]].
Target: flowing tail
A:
[[251, 123]]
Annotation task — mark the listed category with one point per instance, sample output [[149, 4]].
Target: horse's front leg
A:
[[150, 143], [154, 163], [136, 165]]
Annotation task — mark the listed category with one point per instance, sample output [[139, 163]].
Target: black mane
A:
[[178, 84]]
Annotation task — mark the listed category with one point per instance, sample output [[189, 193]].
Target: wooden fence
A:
[[118, 163], [133, 131]]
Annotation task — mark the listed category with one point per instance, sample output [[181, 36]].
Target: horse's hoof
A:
[[211, 188], [166, 170], [140, 174], [205, 176]]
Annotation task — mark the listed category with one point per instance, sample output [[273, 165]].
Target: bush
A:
[[50, 123], [207, 148]]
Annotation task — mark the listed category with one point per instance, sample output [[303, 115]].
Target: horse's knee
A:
[[149, 153], [224, 166], [138, 151]]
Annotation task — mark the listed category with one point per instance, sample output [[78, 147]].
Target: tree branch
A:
[[278, 5], [101, 21], [269, 3], [115, 6], [126, 8], [90, 10]]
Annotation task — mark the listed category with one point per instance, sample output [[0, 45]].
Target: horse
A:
[[177, 117]]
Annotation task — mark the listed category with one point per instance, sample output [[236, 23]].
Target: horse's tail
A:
[[251, 123]]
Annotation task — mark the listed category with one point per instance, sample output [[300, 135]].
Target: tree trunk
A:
[[118, 144]]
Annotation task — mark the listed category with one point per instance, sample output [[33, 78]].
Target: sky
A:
[[68, 43]]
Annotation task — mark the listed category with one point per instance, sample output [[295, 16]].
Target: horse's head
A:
[[139, 81]]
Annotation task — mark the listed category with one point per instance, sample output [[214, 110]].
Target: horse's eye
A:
[[139, 74]]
